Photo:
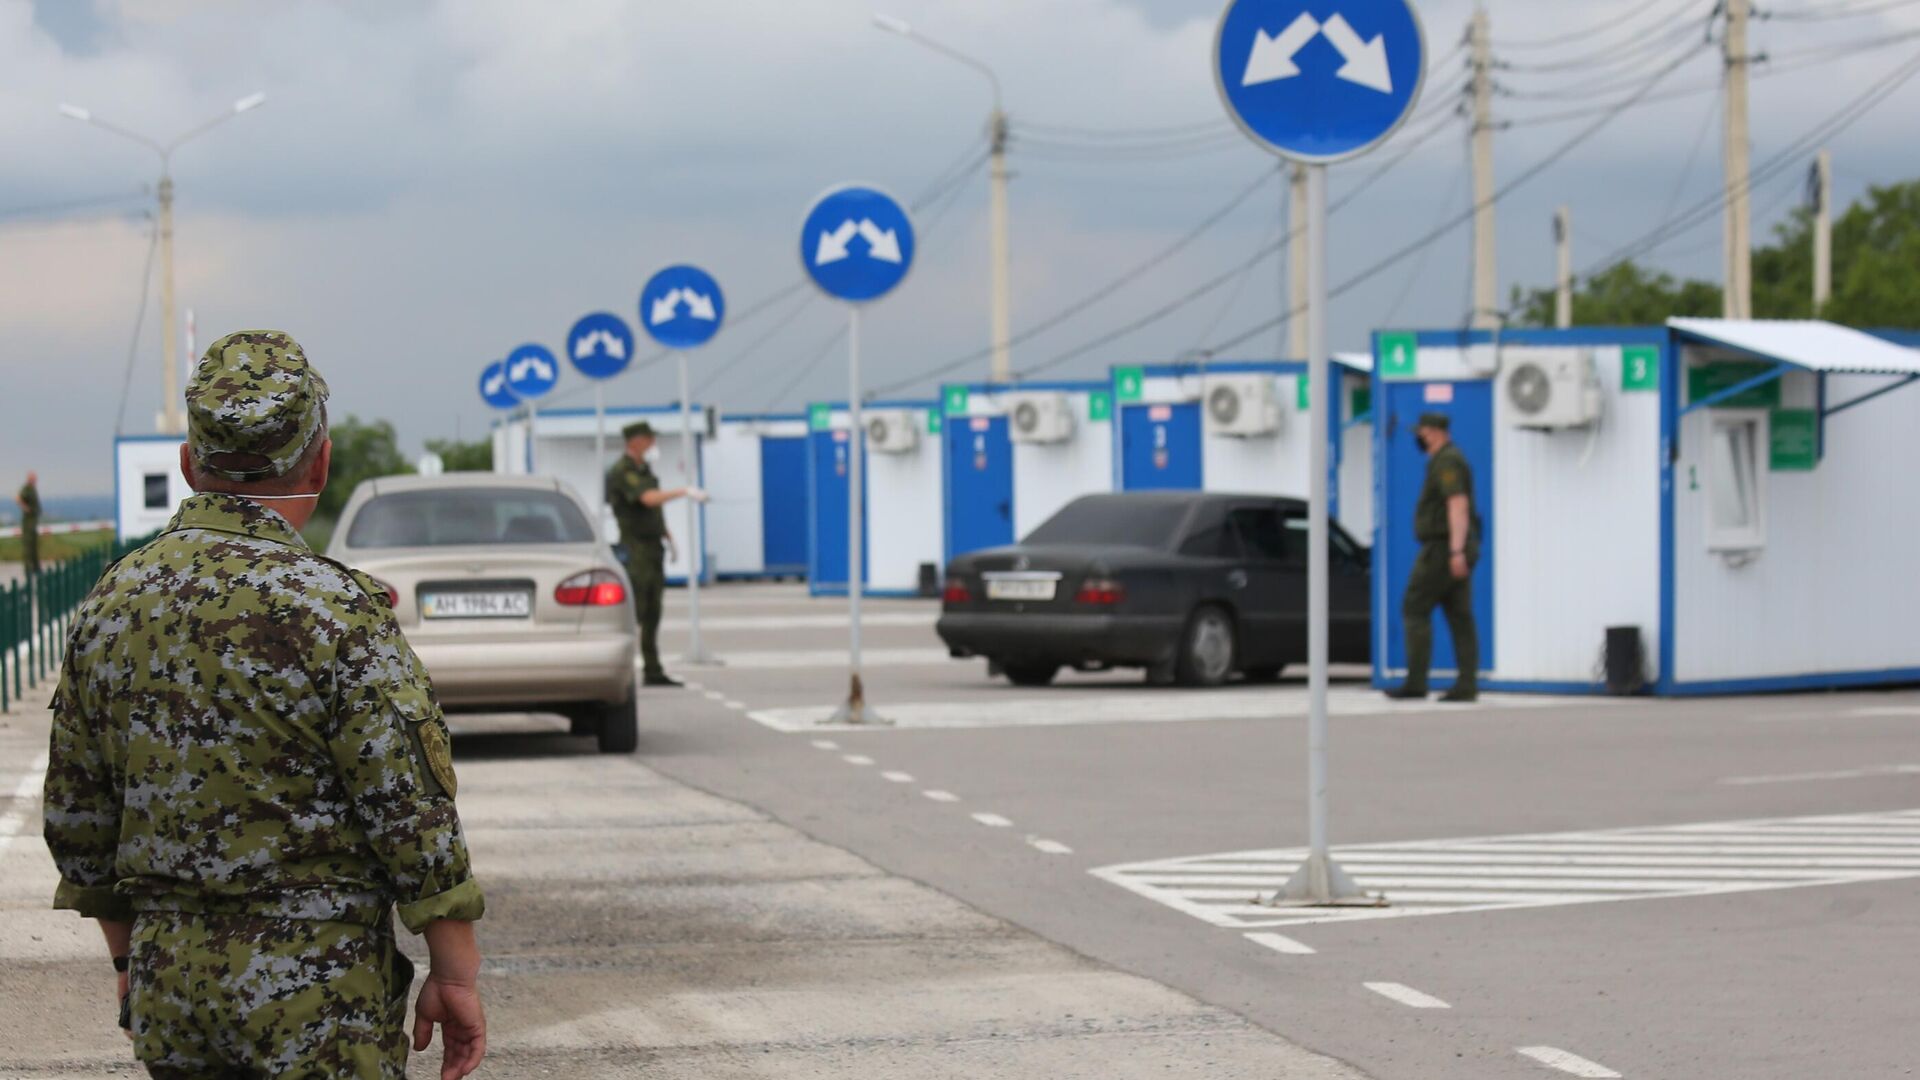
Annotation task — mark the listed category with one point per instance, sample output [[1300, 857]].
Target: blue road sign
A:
[[682, 307], [857, 244], [494, 389], [1318, 81], [531, 372], [600, 345]]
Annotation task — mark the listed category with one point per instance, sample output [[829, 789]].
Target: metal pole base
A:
[[854, 710], [1321, 883]]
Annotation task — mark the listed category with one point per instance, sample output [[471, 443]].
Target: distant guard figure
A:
[[633, 491], [1448, 528], [248, 769], [29, 500]]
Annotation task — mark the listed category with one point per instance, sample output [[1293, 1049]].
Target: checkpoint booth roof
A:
[[1729, 497], [1243, 427], [1016, 454], [903, 500]]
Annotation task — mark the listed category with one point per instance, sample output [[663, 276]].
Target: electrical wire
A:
[[1420, 262], [133, 344], [747, 353], [806, 368], [1834, 11], [47, 209], [1681, 26], [1585, 34]]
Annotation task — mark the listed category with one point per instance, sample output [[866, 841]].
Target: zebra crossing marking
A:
[[1449, 877]]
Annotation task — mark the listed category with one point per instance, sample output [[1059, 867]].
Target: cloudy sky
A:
[[433, 182]]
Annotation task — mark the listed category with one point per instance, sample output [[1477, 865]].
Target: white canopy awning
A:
[[1816, 346]]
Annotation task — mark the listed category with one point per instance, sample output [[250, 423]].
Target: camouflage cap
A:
[[254, 394], [637, 429]]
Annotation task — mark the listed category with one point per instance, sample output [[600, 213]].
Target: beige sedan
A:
[[503, 588]]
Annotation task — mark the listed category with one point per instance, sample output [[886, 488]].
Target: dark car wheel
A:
[[1206, 649], [619, 727], [1030, 674]]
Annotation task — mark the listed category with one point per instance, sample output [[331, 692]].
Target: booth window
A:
[[1736, 481], [155, 485]]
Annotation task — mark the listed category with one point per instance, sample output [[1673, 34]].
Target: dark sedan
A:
[[1191, 586]]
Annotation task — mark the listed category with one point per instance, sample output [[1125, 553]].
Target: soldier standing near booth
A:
[[29, 500], [634, 493], [248, 770], [1448, 528]]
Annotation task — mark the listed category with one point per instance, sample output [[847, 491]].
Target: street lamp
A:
[[997, 132], [172, 422]]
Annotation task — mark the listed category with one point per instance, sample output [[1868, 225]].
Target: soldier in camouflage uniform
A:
[[1448, 528], [633, 491], [29, 501], [249, 770]]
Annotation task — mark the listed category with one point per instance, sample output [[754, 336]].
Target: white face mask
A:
[[652, 455], [280, 498]]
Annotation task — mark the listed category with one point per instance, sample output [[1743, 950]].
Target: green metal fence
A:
[[36, 613]]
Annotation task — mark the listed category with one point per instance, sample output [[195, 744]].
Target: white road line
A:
[[941, 796], [830, 659], [1049, 847], [1838, 774], [736, 706], [1568, 1063], [801, 622], [992, 821], [1406, 995], [15, 818], [856, 759], [898, 777], [715, 695], [1887, 710], [825, 744], [1281, 943]]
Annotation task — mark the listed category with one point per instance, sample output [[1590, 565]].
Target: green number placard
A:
[[1796, 440], [819, 417], [957, 399], [1100, 406], [1640, 368], [1399, 356], [1303, 392], [1130, 383], [935, 422]]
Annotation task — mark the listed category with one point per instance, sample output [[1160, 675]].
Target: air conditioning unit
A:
[[1551, 389], [1039, 418], [1242, 406], [892, 431]]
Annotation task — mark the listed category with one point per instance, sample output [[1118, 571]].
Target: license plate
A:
[[476, 605], [1021, 590]]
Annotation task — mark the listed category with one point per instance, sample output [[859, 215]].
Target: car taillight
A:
[[1104, 592], [957, 593], [393, 594], [595, 588]]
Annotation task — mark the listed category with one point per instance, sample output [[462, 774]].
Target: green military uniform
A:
[[643, 533], [29, 499], [1432, 584], [248, 763]]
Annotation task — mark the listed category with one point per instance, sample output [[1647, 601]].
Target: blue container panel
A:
[[979, 484], [783, 505], [827, 484], [1471, 410], [1160, 447]]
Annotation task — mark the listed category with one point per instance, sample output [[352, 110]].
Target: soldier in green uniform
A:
[[249, 770], [1448, 528], [634, 493], [29, 500]]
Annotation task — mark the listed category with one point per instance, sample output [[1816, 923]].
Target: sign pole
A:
[[696, 542], [854, 710], [533, 435], [599, 427]]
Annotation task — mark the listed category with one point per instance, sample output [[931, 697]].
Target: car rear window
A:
[[1107, 519], [463, 517]]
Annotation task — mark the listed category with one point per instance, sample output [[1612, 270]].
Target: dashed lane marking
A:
[[801, 622], [856, 759], [992, 821], [736, 706], [1441, 877], [1812, 777], [1568, 1063], [1281, 943], [941, 796], [1049, 847], [15, 818], [834, 658], [897, 777], [715, 695], [1406, 995]]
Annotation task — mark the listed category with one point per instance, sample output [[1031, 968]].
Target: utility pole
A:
[[1486, 274], [1739, 149], [1002, 268], [1563, 243], [1822, 230], [1297, 265]]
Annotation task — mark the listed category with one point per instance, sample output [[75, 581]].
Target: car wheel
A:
[[620, 727], [1264, 675], [1207, 648], [1030, 674]]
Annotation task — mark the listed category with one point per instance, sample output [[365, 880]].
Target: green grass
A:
[[55, 548]]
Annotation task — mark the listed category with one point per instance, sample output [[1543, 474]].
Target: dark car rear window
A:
[[460, 517], [1109, 519]]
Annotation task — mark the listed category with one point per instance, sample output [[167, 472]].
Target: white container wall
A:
[[756, 473], [147, 485]]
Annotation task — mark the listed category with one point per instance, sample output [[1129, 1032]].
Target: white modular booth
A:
[[1243, 427], [147, 485], [1708, 507], [904, 540], [561, 444], [1016, 454], [756, 469]]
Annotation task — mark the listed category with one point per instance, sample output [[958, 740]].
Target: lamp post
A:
[[1001, 299], [172, 421]]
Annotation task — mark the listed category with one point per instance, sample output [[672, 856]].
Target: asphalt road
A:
[[1731, 950]]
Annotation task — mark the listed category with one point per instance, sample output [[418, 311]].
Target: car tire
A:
[[619, 729], [1030, 674], [1207, 648]]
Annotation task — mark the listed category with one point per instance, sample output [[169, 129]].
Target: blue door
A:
[[1160, 447], [827, 487], [783, 505], [1470, 407], [979, 484]]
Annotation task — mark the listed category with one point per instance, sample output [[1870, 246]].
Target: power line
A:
[[747, 353], [1834, 11], [1678, 27], [807, 368], [47, 209], [1586, 34]]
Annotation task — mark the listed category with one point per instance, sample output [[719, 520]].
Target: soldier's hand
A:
[[697, 494], [1459, 568], [121, 1001], [455, 1007]]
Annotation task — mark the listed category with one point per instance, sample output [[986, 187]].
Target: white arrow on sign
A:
[[531, 365], [599, 341], [664, 308], [833, 245], [883, 245], [1272, 58], [496, 382], [1366, 60], [699, 306]]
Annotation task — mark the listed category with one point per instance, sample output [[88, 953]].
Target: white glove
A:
[[698, 495]]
